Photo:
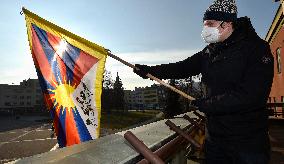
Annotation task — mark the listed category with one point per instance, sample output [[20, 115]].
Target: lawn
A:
[[121, 120]]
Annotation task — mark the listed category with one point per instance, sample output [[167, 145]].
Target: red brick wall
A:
[[277, 90]]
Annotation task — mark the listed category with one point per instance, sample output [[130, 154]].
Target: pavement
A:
[[24, 137], [276, 132], [27, 136]]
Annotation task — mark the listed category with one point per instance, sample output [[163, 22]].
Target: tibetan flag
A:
[[70, 71]]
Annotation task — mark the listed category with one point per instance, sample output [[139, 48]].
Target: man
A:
[[237, 73]]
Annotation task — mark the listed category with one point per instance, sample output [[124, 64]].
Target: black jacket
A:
[[237, 76]]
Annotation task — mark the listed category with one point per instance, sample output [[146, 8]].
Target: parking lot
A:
[[24, 137], [27, 136]]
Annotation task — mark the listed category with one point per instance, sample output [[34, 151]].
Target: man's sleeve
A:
[[252, 91], [179, 70]]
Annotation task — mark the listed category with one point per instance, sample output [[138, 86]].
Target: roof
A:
[[275, 25]]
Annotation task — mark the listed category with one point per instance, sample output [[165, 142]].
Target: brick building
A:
[[275, 37]]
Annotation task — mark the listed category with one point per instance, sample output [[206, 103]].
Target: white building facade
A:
[[145, 98]]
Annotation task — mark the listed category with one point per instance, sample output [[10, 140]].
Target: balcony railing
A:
[[276, 110]]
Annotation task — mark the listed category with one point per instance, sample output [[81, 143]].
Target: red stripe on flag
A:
[[55, 42], [72, 135], [56, 121], [41, 60], [48, 100], [82, 65]]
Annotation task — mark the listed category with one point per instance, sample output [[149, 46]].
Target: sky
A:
[[139, 31]]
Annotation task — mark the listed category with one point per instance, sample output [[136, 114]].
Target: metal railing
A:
[[166, 151], [276, 109]]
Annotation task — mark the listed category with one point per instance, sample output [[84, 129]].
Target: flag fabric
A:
[[70, 71]]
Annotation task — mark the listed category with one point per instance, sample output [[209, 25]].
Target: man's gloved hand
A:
[[143, 70], [196, 103]]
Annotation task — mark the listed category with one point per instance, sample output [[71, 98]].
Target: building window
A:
[[278, 58], [28, 91], [282, 100], [275, 108]]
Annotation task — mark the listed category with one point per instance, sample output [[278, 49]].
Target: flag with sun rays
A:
[[70, 71]]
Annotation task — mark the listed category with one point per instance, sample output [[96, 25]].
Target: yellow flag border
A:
[[81, 43]]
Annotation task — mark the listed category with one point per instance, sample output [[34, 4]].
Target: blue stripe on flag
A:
[[69, 57], [81, 127], [61, 128]]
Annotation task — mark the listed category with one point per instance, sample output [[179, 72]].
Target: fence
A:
[[276, 110]]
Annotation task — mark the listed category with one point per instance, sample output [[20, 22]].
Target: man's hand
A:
[[196, 104], [143, 70]]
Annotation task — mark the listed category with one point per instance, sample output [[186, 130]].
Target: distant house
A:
[[26, 97]]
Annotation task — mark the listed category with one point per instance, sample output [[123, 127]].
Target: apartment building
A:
[[145, 98], [26, 97]]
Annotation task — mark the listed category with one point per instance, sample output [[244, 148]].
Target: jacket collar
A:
[[243, 30]]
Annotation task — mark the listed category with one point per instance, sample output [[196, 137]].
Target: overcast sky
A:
[[139, 31]]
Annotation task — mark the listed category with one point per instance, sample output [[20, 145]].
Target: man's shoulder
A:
[[259, 50], [256, 42]]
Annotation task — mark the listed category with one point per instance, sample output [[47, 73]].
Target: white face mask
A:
[[211, 34]]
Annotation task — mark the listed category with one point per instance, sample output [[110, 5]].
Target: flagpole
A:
[[151, 76]]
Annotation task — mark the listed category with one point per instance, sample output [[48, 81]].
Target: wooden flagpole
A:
[[152, 77]]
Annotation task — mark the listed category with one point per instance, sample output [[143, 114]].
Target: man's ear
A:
[[224, 25], [230, 24]]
